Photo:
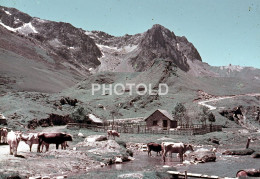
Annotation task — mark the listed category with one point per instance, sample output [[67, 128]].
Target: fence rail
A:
[[143, 129]]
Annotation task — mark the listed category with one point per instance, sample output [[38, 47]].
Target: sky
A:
[[223, 31]]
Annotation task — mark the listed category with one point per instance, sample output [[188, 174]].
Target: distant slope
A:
[[248, 73], [26, 66]]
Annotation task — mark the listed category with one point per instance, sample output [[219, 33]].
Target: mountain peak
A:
[[160, 33]]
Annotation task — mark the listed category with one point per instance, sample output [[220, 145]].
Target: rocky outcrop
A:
[[68, 101], [238, 152], [66, 42], [107, 151], [232, 114], [141, 50], [53, 119], [203, 156], [159, 42]]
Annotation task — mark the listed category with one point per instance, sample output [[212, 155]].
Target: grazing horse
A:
[[179, 148], [154, 147], [113, 133]]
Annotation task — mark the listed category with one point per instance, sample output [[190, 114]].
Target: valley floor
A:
[[79, 164]]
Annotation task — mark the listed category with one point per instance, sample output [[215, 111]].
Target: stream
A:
[[225, 166]]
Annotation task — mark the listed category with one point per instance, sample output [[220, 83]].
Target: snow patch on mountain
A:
[[16, 20], [7, 12], [55, 43], [88, 33], [128, 48], [105, 47], [7, 27], [232, 68], [41, 20], [25, 29]]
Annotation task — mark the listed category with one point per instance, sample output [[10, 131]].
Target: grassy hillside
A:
[[182, 88]]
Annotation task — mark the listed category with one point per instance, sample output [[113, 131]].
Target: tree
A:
[[79, 115], [179, 112], [115, 112], [204, 115], [211, 118]]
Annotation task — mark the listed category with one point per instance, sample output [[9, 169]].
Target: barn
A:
[[160, 119], [93, 120]]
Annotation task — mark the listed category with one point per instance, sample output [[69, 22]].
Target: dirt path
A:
[[204, 103]]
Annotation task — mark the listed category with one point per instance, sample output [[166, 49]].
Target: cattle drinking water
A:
[[179, 148], [154, 147]]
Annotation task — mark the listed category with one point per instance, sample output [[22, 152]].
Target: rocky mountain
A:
[[73, 47], [60, 48], [26, 66], [138, 52]]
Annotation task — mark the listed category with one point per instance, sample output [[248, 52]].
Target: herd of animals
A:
[[165, 147], [60, 138], [42, 139]]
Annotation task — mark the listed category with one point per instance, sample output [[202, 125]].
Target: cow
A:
[[154, 147], [113, 133], [53, 138], [3, 135], [64, 145], [179, 148], [32, 138], [13, 139]]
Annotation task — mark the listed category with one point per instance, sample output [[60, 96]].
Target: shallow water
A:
[[225, 166]]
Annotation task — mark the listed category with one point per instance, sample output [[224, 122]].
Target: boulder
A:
[[95, 138], [248, 173], [238, 152], [80, 135], [256, 155], [46, 177], [214, 140], [203, 156], [101, 146]]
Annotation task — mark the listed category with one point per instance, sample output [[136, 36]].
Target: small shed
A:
[[3, 119], [93, 120], [160, 119]]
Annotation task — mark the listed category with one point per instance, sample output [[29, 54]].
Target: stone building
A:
[[160, 119]]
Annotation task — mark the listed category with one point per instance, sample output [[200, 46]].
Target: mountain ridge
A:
[[81, 53]]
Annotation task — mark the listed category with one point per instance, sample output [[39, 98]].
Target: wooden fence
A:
[[143, 129]]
